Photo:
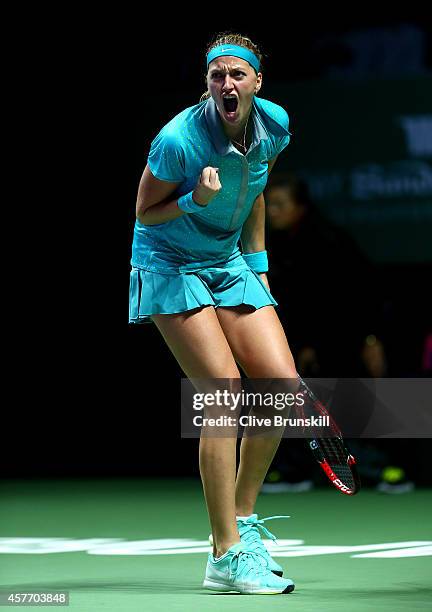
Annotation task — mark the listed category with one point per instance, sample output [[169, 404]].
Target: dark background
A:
[[95, 396]]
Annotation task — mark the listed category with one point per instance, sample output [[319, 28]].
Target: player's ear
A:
[[258, 83]]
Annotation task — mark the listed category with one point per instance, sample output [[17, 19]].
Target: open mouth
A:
[[230, 104]]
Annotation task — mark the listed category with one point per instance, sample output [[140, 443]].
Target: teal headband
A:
[[235, 51]]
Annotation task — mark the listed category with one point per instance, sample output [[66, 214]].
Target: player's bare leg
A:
[[202, 351], [258, 343]]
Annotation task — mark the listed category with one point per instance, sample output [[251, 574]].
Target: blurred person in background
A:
[[373, 357], [380, 462], [426, 366], [329, 296], [324, 284]]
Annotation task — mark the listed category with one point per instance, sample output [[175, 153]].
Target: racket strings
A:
[[337, 458], [332, 449]]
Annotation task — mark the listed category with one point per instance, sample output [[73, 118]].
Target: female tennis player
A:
[[200, 199]]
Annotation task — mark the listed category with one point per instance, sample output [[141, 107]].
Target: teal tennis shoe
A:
[[249, 529], [242, 571]]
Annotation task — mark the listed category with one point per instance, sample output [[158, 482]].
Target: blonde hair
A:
[[227, 38]]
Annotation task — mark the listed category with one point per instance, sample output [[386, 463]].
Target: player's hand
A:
[[207, 187]]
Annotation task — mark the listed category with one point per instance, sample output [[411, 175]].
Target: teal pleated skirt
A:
[[156, 293]]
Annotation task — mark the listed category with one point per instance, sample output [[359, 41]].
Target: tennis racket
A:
[[338, 464]]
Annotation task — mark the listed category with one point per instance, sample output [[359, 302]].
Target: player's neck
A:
[[235, 132], [239, 133]]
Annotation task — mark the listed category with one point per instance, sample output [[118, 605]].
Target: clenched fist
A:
[[207, 187]]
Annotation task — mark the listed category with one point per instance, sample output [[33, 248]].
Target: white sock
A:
[[242, 518]]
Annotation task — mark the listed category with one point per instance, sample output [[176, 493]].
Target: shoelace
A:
[[259, 524], [241, 558]]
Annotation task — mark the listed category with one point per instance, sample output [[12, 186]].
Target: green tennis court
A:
[[140, 545]]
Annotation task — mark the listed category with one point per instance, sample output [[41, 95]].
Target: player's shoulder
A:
[[274, 116], [184, 140], [188, 125]]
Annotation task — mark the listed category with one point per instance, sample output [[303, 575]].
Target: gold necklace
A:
[[243, 146]]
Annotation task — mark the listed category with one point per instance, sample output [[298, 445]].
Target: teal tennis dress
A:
[[196, 259]]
